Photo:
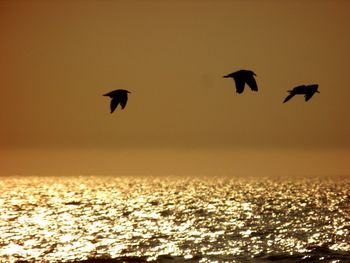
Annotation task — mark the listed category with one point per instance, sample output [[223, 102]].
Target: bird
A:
[[307, 90], [241, 77], [119, 96]]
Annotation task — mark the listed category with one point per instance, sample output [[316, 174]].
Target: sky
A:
[[57, 58]]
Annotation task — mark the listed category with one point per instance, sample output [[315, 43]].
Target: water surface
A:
[[61, 219]]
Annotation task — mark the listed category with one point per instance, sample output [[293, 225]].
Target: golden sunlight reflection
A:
[[57, 219]]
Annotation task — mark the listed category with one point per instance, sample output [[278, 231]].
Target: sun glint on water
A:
[[77, 218]]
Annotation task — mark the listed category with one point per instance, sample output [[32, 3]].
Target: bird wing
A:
[[114, 104], [239, 84], [309, 95], [252, 83], [288, 97], [123, 100]]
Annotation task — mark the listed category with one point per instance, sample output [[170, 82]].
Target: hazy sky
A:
[[57, 58]]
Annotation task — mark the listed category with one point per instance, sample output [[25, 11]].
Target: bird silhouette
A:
[[307, 90], [241, 77], [119, 96]]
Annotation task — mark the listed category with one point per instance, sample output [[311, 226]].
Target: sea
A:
[[144, 218]]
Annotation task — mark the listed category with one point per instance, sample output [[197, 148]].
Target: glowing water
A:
[[75, 218]]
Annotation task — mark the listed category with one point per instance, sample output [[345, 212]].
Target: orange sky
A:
[[57, 58]]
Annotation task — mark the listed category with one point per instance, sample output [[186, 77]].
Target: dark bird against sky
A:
[[307, 90], [242, 77], [119, 96]]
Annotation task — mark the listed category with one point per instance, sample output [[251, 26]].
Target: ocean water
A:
[[174, 219]]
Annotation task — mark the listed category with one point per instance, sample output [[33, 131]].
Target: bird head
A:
[[314, 88]]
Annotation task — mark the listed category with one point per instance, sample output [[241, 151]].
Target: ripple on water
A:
[[77, 218]]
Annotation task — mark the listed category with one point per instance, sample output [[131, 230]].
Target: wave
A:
[[317, 254]]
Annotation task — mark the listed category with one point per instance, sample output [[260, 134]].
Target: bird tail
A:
[[291, 95]]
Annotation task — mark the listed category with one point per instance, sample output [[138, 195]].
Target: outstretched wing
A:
[[309, 95], [239, 84], [252, 83], [123, 100], [288, 97], [114, 104]]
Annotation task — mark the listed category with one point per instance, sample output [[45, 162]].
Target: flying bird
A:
[[119, 96], [241, 77], [307, 90]]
